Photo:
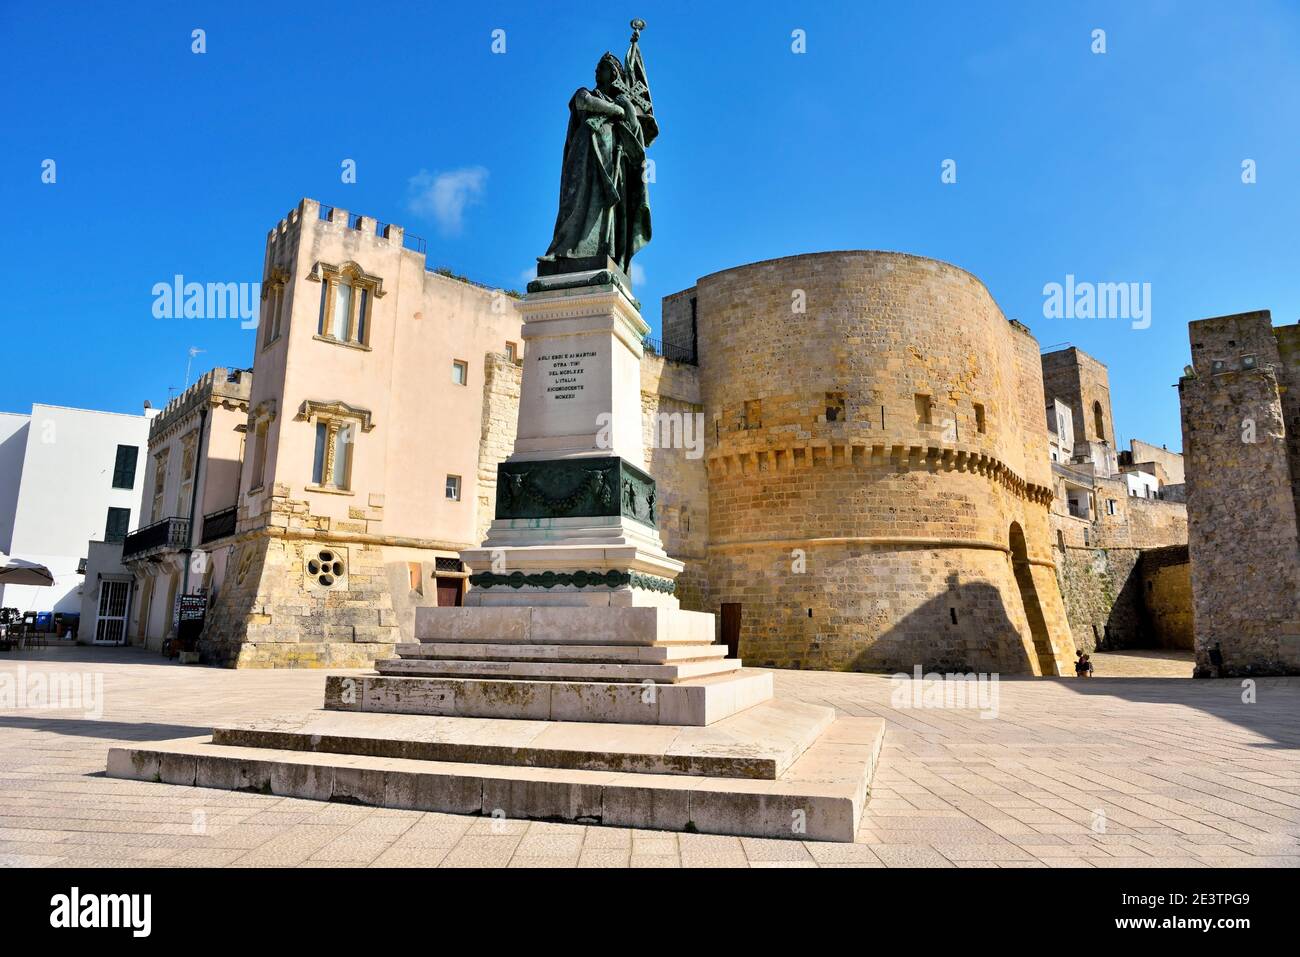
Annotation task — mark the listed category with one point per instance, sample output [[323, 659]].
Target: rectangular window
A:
[[324, 300], [124, 466], [318, 459], [1110, 506], [119, 522], [979, 417], [342, 311], [342, 457], [363, 315], [453, 488], [923, 415], [512, 351], [460, 372], [259, 456]]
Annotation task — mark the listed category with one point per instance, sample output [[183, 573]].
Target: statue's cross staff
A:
[[637, 87]]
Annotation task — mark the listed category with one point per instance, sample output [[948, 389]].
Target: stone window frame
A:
[[366, 289], [258, 428], [335, 416], [459, 486], [273, 309], [160, 461], [189, 471]]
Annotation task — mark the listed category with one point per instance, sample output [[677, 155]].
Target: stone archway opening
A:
[[1029, 600]]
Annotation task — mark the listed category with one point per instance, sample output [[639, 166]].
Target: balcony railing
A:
[[218, 524], [672, 351], [170, 533]]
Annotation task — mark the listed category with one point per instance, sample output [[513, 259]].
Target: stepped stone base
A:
[[819, 796], [692, 704], [628, 716]]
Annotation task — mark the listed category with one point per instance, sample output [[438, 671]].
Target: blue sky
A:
[[1123, 166]]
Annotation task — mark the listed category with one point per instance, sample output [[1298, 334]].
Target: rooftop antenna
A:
[[194, 351]]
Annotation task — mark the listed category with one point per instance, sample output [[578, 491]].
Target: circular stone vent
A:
[[327, 567]]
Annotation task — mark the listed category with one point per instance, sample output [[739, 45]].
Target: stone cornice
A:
[[321, 271], [337, 409], [902, 458]]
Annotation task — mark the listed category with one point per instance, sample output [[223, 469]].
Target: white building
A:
[[80, 478], [1142, 484]]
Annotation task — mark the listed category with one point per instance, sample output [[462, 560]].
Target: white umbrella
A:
[[17, 571]]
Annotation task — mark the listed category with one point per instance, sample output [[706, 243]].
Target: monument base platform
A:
[[696, 703], [603, 775]]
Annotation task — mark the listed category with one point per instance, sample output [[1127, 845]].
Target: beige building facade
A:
[[362, 459]]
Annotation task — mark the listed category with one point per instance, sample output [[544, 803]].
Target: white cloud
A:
[[529, 274], [444, 196], [638, 274]]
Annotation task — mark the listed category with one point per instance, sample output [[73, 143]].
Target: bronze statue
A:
[[604, 207]]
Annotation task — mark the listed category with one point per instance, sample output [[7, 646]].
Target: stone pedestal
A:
[[576, 518], [572, 687]]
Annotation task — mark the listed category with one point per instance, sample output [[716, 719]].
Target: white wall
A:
[[65, 493], [1142, 484], [13, 446]]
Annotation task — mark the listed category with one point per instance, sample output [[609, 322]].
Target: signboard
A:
[[191, 611]]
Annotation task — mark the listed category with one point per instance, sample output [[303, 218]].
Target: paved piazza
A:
[[1107, 772]]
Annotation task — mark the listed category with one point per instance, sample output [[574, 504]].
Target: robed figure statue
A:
[[604, 204]]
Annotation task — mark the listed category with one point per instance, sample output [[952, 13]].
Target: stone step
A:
[[557, 670], [761, 742], [819, 797], [699, 702], [622, 654], [541, 625]]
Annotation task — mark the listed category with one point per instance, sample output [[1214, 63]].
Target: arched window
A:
[[1099, 421]]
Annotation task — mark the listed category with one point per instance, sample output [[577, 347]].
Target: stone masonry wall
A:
[[1241, 497], [673, 424], [875, 449], [502, 380]]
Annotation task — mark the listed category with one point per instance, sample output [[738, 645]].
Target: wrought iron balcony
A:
[[217, 525], [168, 535]]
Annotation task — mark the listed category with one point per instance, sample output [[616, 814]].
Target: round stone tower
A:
[[878, 472]]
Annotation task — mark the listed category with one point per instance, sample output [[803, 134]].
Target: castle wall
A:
[[874, 432], [1241, 495], [674, 425]]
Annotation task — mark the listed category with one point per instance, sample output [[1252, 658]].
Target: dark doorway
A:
[[449, 592], [731, 628]]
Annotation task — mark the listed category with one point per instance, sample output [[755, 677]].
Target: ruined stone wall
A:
[[872, 418], [673, 423], [1167, 593], [1102, 590], [502, 379], [677, 317], [1241, 496]]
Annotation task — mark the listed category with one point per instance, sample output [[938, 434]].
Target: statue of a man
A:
[[604, 204]]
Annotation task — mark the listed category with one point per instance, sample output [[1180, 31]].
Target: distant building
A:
[[72, 476], [1120, 541], [196, 448]]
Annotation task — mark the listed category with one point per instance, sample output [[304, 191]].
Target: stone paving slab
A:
[[1091, 751]]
